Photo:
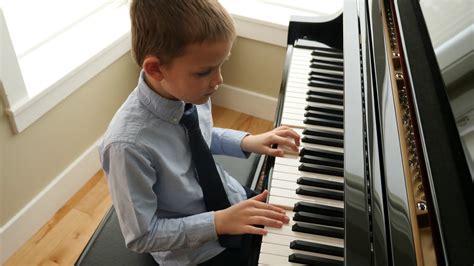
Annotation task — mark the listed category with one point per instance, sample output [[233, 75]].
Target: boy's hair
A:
[[164, 28]]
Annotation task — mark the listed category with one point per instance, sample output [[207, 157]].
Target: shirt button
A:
[[147, 100], [175, 119]]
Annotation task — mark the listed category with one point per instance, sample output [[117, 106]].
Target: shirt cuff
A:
[[200, 228]]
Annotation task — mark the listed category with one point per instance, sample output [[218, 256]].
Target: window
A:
[[50, 48]]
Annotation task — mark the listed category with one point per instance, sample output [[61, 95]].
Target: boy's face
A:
[[194, 76]]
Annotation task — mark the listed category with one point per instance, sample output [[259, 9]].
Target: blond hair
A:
[[164, 28]]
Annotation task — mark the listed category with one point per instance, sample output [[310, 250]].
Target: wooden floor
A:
[[62, 239]]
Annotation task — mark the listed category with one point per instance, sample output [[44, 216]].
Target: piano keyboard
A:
[[310, 185]]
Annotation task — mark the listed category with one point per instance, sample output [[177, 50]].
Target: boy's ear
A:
[[152, 67]]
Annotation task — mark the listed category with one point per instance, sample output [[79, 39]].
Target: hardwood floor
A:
[[62, 239]]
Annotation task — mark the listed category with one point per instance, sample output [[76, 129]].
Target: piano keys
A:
[[314, 94], [310, 184]]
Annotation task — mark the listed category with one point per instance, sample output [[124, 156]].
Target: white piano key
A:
[[293, 176], [284, 184], [299, 72], [289, 110], [282, 202], [294, 170], [291, 194], [296, 94], [288, 161], [293, 116], [284, 176]]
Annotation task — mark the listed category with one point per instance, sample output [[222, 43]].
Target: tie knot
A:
[[190, 118]]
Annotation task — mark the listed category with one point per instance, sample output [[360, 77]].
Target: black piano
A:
[[381, 177]]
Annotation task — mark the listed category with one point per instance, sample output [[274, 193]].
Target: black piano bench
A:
[[107, 245]]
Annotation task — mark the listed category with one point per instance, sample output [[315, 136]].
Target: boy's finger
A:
[[261, 197], [266, 206], [255, 230]]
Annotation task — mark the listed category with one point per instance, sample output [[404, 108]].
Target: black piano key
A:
[[329, 165], [315, 208], [326, 80], [317, 248], [322, 132], [325, 134], [321, 153], [310, 181], [326, 110], [325, 94], [325, 85], [323, 141], [328, 55], [326, 67], [333, 76], [321, 169], [329, 62], [322, 122], [322, 161], [323, 115], [313, 260], [320, 193], [327, 49], [322, 99], [319, 219], [315, 229]]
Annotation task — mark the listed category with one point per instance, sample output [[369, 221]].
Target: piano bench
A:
[[107, 245]]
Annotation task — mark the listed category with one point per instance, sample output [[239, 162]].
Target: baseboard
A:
[[39, 211], [245, 101]]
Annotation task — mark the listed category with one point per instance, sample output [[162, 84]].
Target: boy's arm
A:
[[131, 177], [228, 142]]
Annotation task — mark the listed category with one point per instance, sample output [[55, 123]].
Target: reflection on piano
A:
[[381, 178]]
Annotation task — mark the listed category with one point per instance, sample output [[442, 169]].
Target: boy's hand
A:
[[261, 143], [241, 217]]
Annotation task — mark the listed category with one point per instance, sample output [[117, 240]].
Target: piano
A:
[[381, 177]]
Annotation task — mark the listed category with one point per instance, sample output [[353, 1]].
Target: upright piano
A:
[[381, 177]]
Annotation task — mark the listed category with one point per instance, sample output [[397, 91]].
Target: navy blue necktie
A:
[[215, 196], [213, 190]]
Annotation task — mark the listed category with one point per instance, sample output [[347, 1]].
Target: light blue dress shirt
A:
[[159, 202]]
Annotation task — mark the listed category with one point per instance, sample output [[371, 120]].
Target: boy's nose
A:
[[218, 80]]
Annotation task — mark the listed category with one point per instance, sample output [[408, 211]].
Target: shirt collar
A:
[[165, 109]]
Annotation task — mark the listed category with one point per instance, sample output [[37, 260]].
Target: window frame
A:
[[22, 108]]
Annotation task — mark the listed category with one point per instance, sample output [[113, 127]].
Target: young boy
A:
[[181, 46]]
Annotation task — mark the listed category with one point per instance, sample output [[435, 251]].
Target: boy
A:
[[181, 46]]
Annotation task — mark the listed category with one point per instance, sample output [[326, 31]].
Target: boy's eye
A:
[[203, 73]]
